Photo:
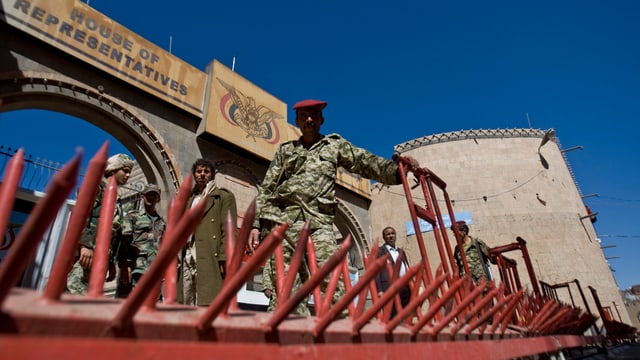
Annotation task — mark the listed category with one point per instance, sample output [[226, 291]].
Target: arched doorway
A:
[[111, 115]]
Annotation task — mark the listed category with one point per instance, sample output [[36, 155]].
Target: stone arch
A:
[[347, 224], [53, 92]]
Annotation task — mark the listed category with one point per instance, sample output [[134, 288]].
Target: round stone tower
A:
[[509, 183]]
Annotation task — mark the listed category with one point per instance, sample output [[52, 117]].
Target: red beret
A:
[[310, 103], [458, 224]]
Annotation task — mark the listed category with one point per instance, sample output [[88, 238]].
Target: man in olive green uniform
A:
[[476, 252], [300, 185], [142, 232], [202, 261], [120, 166]]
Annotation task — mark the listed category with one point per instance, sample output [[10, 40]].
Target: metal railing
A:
[[447, 314]]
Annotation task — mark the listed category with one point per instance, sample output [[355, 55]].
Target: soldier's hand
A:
[[268, 293], [86, 258], [111, 272], [254, 239], [409, 162], [413, 163]]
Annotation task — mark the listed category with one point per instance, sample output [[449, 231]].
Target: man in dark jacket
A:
[[383, 279]]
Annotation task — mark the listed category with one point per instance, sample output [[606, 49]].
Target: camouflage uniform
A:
[[268, 282], [300, 185], [141, 236], [477, 253], [78, 278]]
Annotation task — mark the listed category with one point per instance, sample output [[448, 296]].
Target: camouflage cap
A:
[[458, 224], [151, 188], [117, 162]]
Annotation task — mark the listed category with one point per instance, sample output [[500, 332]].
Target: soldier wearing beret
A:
[[300, 185], [142, 231]]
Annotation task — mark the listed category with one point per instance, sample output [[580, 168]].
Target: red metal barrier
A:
[[551, 291], [447, 316], [615, 331]]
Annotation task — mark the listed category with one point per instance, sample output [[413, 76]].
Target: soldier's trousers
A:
[[78, 279], [324, 243]]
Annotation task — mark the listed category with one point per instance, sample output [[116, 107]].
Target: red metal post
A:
[[36, 225], [103, 240], [77, 222]]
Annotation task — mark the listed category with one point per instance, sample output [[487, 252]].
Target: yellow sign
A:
[[85, 33], [243, 114]]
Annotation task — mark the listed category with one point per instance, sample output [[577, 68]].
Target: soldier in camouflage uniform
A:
[[300, 185], [476, 252], [142, 232], [268, 283], [120, 166]]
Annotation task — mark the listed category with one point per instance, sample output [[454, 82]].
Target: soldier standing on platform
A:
[[300, 185]]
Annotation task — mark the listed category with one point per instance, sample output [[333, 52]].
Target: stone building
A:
[[632, 304], [505, 184]]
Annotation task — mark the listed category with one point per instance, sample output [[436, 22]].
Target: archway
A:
[[52, 92]]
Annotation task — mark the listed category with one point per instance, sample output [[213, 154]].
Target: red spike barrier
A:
[[348, 298], [78, 220], [347, 284], [108, 349], [313, 268], [296, 262], [103, 240], [391, 296], [9, 187], [448, 319], [176, 209], [304, 291], [235, 283], [34, 228], [614, 330], [279, 270], [464, 325], [175, 237], [372, 286], [330, 290], [446, 314], [235, 249]]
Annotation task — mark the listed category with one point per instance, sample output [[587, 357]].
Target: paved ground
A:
[[620, 352]]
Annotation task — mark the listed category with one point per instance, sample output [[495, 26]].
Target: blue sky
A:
[[395, 71]]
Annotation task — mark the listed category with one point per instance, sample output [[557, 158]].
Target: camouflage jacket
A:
[[300, 184], [141, 235], [477, 254], [89, 233]]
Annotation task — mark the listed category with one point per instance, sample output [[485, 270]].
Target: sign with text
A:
[[77, 29], [425, 226]]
